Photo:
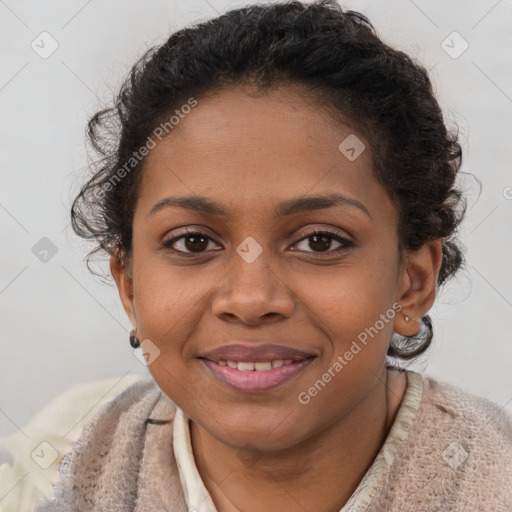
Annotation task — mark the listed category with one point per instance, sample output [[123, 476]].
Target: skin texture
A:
[[249, 153]]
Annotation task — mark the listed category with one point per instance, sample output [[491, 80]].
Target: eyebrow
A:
[[286, 208]]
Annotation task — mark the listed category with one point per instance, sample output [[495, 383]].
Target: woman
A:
[[276, 192]]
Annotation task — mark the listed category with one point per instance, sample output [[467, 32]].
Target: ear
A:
[[417, 286], [122, 273]]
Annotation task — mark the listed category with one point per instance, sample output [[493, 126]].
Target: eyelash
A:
[[345, 244]]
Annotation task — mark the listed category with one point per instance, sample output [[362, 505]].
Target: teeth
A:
[[247, 366], [266, 365]]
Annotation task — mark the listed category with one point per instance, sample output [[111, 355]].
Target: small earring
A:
[[134, 341], [408, 318]]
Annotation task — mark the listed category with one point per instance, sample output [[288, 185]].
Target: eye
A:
[[192, 241], [321, 241], [197, 242]]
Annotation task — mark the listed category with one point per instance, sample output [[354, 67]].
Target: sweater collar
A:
[[198, 498]]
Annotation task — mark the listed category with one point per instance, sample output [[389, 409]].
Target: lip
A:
[[239, 352], [256, 381]]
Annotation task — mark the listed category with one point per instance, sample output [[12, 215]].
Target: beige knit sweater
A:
[[447, 451]]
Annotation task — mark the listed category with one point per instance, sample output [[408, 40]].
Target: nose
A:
[[253, 293]]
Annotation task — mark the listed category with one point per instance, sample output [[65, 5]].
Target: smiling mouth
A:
[[255, 377], [249, 366]]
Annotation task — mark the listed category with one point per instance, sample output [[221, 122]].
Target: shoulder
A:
[[34, 453], [111, 448], [457, 454], [455, 408]]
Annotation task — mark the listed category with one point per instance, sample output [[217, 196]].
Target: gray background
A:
[[60, 325]]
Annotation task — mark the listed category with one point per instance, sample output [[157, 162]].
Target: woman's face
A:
[[256, 274]]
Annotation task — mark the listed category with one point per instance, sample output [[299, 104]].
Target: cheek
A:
[[351, 296], [354, 308], [164, 292], [162, 298]]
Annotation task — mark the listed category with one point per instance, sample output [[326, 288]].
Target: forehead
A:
[[245, 148]]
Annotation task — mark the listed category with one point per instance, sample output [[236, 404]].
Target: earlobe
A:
[[418, 287], [122, 274]]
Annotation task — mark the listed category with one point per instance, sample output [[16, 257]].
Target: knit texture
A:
[[118, 462], [455, 457]]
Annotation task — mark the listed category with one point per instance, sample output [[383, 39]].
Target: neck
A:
[[320, 473]]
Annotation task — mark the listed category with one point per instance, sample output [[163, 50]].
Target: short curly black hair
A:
[[342, 63]]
